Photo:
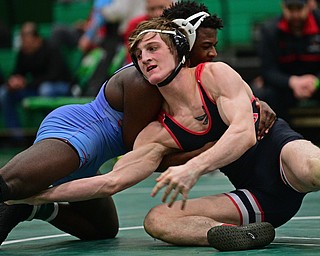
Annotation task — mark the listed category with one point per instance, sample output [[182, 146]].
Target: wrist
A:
[[292, 81]]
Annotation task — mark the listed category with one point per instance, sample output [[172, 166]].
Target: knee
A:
[[155, 221], [15, 185], [11, 189]]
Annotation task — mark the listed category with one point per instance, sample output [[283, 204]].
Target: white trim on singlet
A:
[[253, 204], [285, 179], [242, 208]]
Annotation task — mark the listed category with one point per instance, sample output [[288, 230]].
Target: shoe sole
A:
[[236, 238]]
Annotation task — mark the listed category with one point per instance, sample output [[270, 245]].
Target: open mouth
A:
[[151, 67]]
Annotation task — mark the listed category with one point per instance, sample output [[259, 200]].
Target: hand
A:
[[12, 202], [16, 82], [303, 86], [29, 200], [267, 118], [178, 179]]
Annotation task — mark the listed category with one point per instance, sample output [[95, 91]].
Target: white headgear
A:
[[189, 28]]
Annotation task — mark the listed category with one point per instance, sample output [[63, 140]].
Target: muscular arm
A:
[[232, 96], [132, 168], [181, 157]]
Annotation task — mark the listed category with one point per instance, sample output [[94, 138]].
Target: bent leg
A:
[[190, 226], [88, 220], [301, 164], [36, 168]]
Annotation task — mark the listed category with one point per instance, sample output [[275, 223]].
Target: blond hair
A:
[[160, 24]]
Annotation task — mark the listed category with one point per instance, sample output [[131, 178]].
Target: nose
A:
[[145, 57], [213, 53]]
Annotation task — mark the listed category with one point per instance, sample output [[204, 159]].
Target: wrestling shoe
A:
[[235, 238], [10, 216]]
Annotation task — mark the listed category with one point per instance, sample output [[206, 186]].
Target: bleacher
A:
[[45, 13], [236, 46]]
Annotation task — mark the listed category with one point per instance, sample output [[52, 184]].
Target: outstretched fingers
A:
[[173, 190], [175, 195]]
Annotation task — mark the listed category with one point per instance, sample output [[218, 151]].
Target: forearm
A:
[[129, 170], [78, 190], [180, 158], [276, 78], [231, 146]]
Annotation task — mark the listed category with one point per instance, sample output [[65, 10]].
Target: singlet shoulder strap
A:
[[199, 70]]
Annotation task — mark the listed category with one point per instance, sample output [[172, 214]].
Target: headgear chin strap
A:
[[182, 46], [172, 75], [189, 28]]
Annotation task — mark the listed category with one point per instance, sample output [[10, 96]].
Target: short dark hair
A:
[[29, 28], [184, 9]]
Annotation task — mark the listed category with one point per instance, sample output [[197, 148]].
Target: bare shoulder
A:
[[220, 73], [219, 69], [154, 132], [219, 78]]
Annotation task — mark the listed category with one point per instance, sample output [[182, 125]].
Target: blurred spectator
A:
[[39, 70], [313, 4], [122, 11], [100, 38], [84, 34], [290, 54], [154, 8], [116, 15]]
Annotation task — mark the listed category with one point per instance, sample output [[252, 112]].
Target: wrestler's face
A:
[[155, 59], [204, 48]]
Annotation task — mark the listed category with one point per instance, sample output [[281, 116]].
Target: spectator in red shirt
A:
[[154, 9]]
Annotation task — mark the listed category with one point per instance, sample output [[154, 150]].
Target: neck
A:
[[181, 88]]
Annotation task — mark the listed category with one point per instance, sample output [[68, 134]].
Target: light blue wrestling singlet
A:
[[93, 129]]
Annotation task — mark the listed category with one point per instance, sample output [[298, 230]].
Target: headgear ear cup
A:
[[182, 44], [189, 28]]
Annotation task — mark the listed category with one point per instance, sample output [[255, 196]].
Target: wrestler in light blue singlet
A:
[[93, 129]]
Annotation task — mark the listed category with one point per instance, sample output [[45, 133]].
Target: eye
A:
[[152, 48], [138, 54], [210, 46]]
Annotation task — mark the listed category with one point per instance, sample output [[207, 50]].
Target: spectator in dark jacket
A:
[[290, 55], [39, 70]]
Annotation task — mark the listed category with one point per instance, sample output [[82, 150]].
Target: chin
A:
[[154, 80]]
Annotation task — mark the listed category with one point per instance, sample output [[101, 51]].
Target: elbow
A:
[[247, 137], [252, 139]]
